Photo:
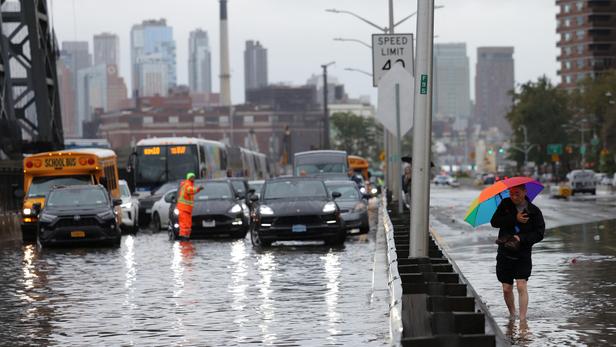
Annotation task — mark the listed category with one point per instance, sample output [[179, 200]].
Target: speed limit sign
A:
[[388, 50]]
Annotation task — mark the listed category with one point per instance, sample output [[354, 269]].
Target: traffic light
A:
[[501, 150], [490, 151]]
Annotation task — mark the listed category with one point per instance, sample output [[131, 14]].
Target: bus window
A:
[[41, 185], [181, 160]]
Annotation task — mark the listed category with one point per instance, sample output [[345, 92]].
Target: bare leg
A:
[[523, 294], [509, 298]]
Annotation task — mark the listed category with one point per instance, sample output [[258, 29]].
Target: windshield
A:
[[41, 185], [238, 186], [214, 191], [165, 188], [295, 189], [157, 164], [312, 169], [124, 191], [256, 186], [347, 191], [77, 197]]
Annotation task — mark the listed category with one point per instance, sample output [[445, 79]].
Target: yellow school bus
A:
[[359, 164], [69, 167]]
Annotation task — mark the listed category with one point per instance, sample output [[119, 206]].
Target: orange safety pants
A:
[[185, 220]]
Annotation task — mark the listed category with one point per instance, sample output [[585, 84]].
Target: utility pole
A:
[[422, 131], [394, 163], [325, 144]]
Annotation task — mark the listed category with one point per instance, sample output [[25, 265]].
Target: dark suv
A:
[[79, 214]]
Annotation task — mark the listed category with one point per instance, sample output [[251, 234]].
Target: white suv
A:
[[130, 209]]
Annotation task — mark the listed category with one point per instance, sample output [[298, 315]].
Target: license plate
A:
[[209, 223], [78, 234], [148, 210], [298, 228]]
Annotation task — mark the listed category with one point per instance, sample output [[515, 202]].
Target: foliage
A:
[[543, 109], [357, 135]]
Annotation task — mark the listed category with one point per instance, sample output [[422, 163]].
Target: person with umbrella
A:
[[521, 225]]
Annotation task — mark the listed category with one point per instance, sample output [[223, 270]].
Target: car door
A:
[[163, 208]]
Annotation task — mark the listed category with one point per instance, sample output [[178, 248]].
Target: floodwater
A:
[[151, 291], [572, 288]]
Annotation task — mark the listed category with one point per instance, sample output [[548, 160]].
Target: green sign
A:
[[424, 85], [583, 149], [555, 148]]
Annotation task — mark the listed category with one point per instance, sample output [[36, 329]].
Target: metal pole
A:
[[422, 130], [393, 165], [525, 145], [325, 110], [398, 182]]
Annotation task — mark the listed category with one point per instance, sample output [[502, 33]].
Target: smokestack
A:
[[225, 76]]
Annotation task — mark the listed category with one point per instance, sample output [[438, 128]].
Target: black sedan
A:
[[296, 208], [353, 205], [218, 210], [79, 214]]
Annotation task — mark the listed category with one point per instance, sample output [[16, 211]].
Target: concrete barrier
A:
[[9, 227]]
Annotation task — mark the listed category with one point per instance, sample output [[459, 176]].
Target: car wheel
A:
[[593, 192], [135, 229], [171, 233], [364, 229], [336, 241], [156, 222], [256, 240]]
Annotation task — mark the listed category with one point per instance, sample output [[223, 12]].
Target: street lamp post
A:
[[353, 40], [325, 107], [526, 147]]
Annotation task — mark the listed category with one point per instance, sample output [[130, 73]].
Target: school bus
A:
[[68, 167], [360, 165]]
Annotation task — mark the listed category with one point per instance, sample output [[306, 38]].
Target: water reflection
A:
[[332, 274], [237, 286], [266, 265]]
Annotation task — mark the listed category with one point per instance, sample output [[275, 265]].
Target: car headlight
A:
[[127, 205], [265, 210], [329, 207], [27, 211], [176, 212], [362, 190], [237, 208], [46, 217], [361, 207], [106, 215], [374, 191]]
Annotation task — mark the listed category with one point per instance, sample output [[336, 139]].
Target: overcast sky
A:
[[298, 33]]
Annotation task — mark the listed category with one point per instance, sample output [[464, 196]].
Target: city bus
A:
[[332, 164], [156, 161], [359, 165], [43, 171]]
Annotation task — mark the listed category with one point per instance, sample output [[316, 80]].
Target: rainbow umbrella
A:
[[483, 207]]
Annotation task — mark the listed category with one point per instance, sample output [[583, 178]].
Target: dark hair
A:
[[521, 186]]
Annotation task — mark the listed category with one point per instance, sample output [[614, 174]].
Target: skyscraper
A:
[[76, 56], [452, 82], [255, 65], [106, 49], [66, 90], [152, 40], [199, 62], [587, 31], [494, 80]]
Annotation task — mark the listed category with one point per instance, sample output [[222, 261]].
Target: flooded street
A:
[[572, 288], [221, 293]]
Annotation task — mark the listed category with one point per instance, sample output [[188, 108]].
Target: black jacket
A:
[[530, 233]]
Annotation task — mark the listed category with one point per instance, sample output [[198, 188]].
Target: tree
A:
[[357, 135], [543, 109]]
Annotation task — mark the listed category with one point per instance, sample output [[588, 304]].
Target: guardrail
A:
[[393, 277]]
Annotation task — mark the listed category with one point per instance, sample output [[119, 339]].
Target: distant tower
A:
[[225, 76]]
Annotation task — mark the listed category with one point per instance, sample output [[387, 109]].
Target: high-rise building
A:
[[199, 62], [66, 90], [494, 80], [106, 49], [587, 31], [98, 87], [76, 56], [255, 65], [152, 40], [452, 98]]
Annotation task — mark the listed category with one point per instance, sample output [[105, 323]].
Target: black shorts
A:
[[508, 269]]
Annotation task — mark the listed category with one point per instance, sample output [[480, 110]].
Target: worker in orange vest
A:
[[186, 198]]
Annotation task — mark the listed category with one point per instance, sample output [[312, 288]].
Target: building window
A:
[[566, 37], [579, 5], [580, 34], [581, 76], [580, 20], [199, 119], [567, 50], [580, 63], [567, 65], [148, 120], [566, 8], [567, 23], [568, 79], [174, 119], [580, 49], [249, 119], [223, 120]]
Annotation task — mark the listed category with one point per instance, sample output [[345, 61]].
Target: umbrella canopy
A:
[[483, 207]]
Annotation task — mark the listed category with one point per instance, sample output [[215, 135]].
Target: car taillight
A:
[[90, 161], [29, 164], [83, 161]]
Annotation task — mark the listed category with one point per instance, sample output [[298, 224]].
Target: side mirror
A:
[[251, 191], [19, 193], [117, 202], [170, 197], [254, 198], [336, 195]]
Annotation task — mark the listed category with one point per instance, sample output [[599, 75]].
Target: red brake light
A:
[[90, 161], [29, 164]]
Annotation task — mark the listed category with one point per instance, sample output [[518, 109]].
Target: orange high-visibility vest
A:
[[186, 196]]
